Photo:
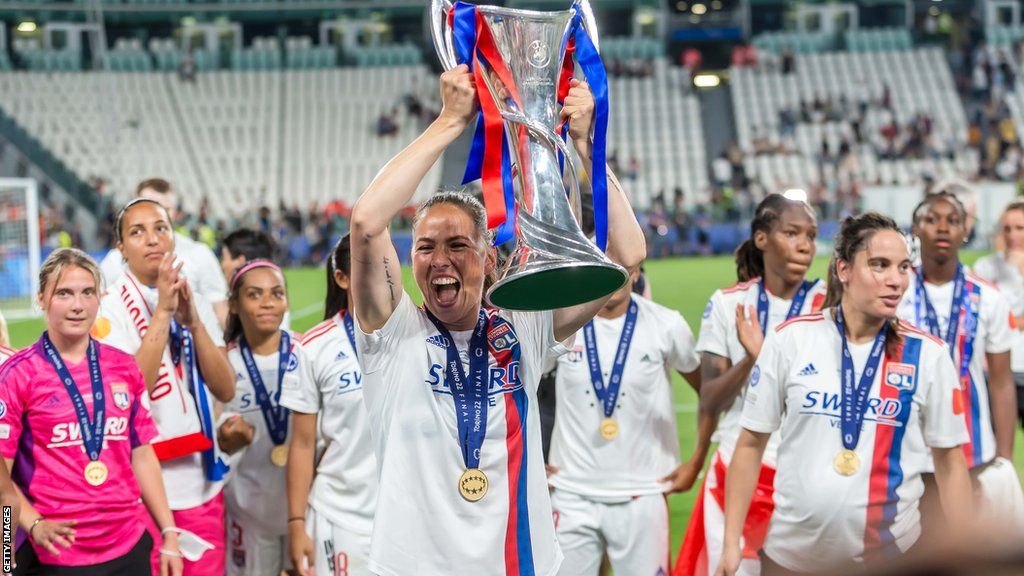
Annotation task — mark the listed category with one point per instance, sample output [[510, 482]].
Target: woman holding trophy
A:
[[450, 387]]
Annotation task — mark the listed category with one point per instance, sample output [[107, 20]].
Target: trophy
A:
[[520, 56]]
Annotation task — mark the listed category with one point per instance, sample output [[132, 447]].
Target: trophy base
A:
[[560, 286]]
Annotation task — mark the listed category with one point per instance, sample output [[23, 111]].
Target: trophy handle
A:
[[589, 22], [555, 144], [442, 33]]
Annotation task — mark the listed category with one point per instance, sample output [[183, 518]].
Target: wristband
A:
[[170, 529], [33, 527], [294, 518], [166, 552]]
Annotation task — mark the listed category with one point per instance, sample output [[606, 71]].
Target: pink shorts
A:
[[205, 521]]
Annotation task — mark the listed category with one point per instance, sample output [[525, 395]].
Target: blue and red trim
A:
[[886, 469]]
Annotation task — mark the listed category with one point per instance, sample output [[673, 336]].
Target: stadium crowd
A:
[[173, 423]]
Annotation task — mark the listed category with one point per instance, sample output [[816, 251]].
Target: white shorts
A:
[[634, 533], [337, 550], [251, 552]]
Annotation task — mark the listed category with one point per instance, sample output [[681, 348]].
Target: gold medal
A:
[[473, 484], [846, 463], [95, 473], [279, 456], [609, 428]]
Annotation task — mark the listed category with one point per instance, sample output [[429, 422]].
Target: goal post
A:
[[19, 247]]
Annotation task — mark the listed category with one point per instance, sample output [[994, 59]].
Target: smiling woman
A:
[[449, 388], [152, 313], [102, 473]]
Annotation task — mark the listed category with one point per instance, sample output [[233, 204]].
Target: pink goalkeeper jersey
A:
[[39, 429]]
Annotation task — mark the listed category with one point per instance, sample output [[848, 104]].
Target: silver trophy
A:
[[553, 264]]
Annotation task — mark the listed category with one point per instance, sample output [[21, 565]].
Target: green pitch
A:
[[684, 284]]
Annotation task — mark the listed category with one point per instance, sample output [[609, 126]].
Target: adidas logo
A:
[[438, 340], [341, 356], [808, 370], [647, 358]]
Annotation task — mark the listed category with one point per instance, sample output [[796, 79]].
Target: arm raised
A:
[[376, 273]]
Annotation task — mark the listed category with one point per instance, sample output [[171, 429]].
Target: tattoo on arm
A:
[[390, 281]]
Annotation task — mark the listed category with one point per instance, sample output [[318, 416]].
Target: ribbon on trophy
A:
[[578, 42], [475, 45], [489, 157]]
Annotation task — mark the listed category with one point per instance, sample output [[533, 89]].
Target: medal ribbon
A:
[[608, 396], [276, 416], [469, 392], [213, 465], [855, 398], [794, 308], [92, 431], [931, 318], [350, 330]]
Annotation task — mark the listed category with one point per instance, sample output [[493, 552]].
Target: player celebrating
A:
[[330, 515], [852, 449], [949, 301], [615, 448], [200, 268], [771, 266], [1005, 269], [152, 312], [77, 436], [254, 428], [458, 498], [245, 245]]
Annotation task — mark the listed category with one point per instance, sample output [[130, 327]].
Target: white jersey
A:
[[718, 336], [125, 311], [423, 525], [1010, 282], [993, 335], [6, 353], [647, 446], [329, 383], [201, 268], [253, 491], [822, 518]]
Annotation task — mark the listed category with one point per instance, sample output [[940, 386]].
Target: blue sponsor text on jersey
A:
[[818, 403], [503, 380]]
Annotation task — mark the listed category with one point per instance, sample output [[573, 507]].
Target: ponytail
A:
[[749, 258], [749, 261], [340, 259]]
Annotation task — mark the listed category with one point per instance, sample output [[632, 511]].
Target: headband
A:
[[252, 265], [120, 214]]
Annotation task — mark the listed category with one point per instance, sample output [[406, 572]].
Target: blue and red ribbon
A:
[[490, 158]]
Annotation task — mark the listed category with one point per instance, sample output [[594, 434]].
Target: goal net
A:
[[19, 246]]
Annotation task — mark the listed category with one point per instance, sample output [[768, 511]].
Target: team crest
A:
[[293, 362], [3, 409], [119, 390], [707, 311], [502, 337], [900, 376], [238, 557]]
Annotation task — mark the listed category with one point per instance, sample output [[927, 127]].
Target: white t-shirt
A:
[[1010, 282], [822, 518], [254, 489], [647, 446], [423, 525], [329, 383], [201, 268], [718, 336], [184, 478], [993, 336]]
